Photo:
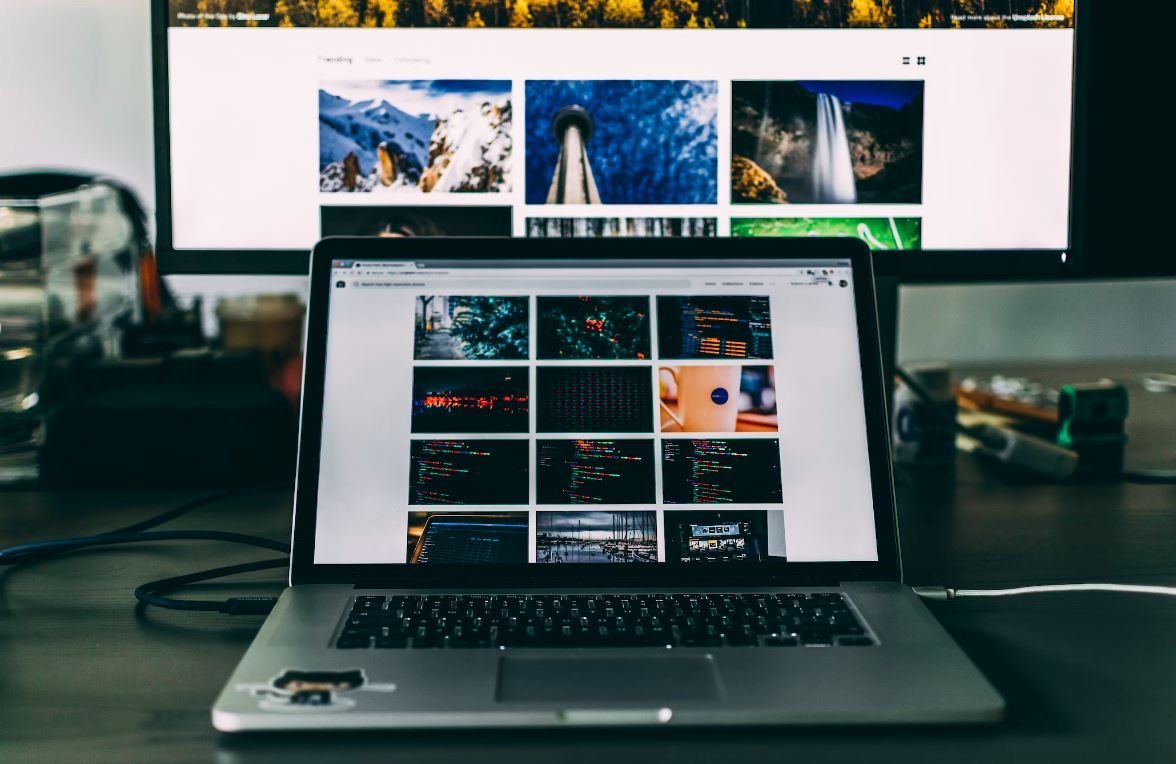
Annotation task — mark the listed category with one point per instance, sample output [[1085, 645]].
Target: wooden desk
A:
[[1088, 677]]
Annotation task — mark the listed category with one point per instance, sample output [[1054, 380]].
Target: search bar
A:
[[579, 286]]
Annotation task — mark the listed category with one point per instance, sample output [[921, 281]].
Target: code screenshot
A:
[[714, 327], [469, 472], [595, 472], [745, 471], [594, 399]]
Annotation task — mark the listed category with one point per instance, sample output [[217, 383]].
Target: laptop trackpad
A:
[[660, 679]]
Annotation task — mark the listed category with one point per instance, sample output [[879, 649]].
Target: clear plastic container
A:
[[58, 227], [68, 282]]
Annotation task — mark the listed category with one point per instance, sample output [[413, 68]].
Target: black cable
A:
[[148, 593], [32, 555], [136, 533], [916, 388], [183, 509], [15, 555], [1150, 477]]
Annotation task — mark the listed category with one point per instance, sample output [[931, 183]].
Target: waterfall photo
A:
[[827, 142], [415, 136], [622, 141]]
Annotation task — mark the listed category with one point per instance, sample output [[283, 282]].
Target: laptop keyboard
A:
[[613, 620]]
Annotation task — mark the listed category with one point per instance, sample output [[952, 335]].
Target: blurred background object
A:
[[70, 247], [104, 378]]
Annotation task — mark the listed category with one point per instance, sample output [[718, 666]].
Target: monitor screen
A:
[[572, 413], [937, 125]]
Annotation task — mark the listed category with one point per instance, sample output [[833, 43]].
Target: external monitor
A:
[[942, 131]]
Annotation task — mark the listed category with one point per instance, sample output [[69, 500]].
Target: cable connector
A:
[[250, 605], [938, 593]]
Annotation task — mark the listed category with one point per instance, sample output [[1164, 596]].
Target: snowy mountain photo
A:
[[415, 136]]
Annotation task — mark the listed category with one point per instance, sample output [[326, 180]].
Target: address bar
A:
[[574, 284]]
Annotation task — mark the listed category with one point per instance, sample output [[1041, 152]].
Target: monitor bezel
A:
[[623, 253], [926, 266]]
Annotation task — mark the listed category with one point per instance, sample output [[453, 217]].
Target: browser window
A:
[[911, 125], [611, 414]]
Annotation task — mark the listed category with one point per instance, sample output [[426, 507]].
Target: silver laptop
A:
[[625, 482]]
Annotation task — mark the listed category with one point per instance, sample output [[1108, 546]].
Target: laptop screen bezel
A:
[[455, 252]]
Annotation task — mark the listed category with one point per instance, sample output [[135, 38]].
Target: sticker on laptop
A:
[[296, 690]]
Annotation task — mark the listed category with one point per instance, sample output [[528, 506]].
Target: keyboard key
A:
[[702, 640], [780, 641], [815, 638], [855, 642]]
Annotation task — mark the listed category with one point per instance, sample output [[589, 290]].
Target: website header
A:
[[627, 14]]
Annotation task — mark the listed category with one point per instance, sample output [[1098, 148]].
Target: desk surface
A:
[[84, 676]]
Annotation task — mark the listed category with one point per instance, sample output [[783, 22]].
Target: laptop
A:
[[582, 482]]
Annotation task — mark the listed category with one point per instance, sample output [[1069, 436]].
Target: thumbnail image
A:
[[461, 399], [594, 472], [415, 221], [827, 142], [745, 471], [469, 472], [593, 328], [714, 326], [882, 234], [451, 538], [717, 398], [595, 536], [414, 136], [470, 328], [622, 142], [740, 536], [590, 228], [583, 399]]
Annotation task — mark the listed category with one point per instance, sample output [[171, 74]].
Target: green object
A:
[[1093, 418], [886, 234]]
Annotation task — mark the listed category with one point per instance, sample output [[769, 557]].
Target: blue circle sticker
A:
[[720, 395]]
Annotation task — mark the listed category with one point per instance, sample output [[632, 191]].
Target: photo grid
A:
[[596, 428], [629, 158]]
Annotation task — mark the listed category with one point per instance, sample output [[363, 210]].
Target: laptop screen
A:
[[567, 412]]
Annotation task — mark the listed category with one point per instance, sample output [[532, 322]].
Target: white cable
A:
[[941, 593], [1131, 588]]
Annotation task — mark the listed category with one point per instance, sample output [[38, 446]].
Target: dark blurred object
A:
[[104, 380], [1093, 419], [196, 419], [173, 329], [1017, 397], [272, 325], [924, 419], [1089, 418], [70, 247]]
